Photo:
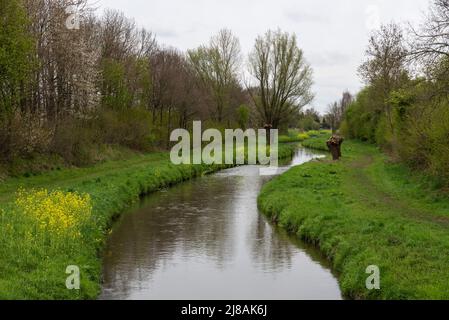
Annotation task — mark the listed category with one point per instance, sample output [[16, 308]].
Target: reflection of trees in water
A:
[[268, 251], [191, 220], [274, 248], [274, 253]]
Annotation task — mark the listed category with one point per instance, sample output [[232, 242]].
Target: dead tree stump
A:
[[334, 145]]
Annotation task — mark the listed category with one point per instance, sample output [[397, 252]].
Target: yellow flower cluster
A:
[[57, 212]]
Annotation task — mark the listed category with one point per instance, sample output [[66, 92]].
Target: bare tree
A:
[[332, 115], [336, 111], [430, 46], [284, 78], [431, 40], [119, 38]]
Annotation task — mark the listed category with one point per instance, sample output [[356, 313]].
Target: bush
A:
[[74, 141], [130, 128], [426, 142], [22, 136], [439, 151], [303, 136]]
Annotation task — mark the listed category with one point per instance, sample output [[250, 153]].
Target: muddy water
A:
[[206, 239]]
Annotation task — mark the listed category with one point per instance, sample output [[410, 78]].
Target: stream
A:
[[206, 240]]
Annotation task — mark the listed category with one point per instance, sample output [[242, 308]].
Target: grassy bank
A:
[[66, 219], [298, 136], [362, 211]]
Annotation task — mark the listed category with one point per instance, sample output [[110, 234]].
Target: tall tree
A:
[[65, 82], [283, 77], [16, 55], [385, 68], [217, 66], [16, 49]]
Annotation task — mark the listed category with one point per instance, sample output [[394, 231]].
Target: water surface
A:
[[206, 239]]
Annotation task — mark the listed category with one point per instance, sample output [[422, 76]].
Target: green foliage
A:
[[297, 136], [16, 63], [130, 128], [424, 139], [364, 211], [243, 116], [419, 118], [116, 94], [361, 118], [309, 120], [314, 133], [16, 47], [143, 82], [317, 143], [78, 140]]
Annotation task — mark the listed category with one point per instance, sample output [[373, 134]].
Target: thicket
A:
[[404, 107]]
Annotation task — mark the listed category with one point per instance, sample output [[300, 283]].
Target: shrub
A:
[[22, 136], [130, 128], [74, 140], [438, 150]]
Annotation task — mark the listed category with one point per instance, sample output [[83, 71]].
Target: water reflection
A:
[[205, 239]]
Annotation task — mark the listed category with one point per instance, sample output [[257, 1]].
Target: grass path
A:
[[363, 186], [364, 211]]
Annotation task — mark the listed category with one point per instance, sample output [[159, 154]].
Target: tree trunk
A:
[[268, 128], [334, 145]]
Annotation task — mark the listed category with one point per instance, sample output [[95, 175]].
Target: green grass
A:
[[317, 143], [297, 136], [362, 211], [36, 270]]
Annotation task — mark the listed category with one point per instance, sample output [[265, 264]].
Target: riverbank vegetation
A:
[[295, 135], [366, 210], [51, 221], [386, 203], [404, 106]]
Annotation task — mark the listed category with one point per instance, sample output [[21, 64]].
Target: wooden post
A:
[[334, 145]]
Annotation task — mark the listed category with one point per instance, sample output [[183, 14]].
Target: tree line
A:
[[404, 106], [67, 88]]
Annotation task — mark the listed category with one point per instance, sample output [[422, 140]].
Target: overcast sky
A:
[[332, 33]]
